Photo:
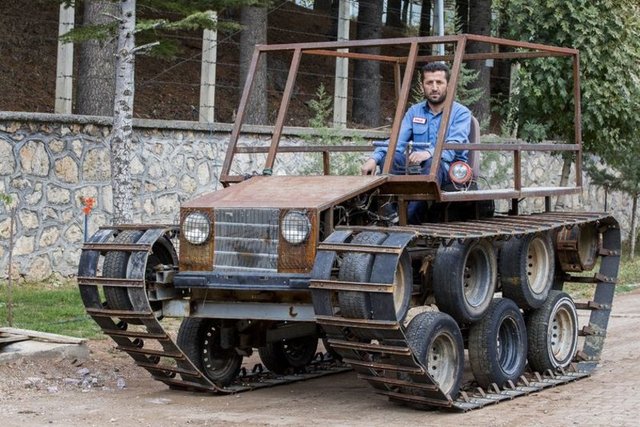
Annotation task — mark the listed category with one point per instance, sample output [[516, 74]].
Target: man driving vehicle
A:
[[420, 129]]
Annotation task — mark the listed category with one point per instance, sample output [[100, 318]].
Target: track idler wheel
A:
[[464, 279], [115, 266], [553, 333], [527, 267], [498, 344], [200, 340]]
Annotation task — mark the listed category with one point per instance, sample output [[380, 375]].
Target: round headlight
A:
[[460, 172], [196, 228], [295, 227]]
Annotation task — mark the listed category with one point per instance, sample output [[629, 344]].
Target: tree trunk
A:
[[634, 225], [480, 23], [322, 5], [254, 24], [96, 63], [425, 25], [121, 134], [564, 180], [462, 10], [394, 13], [366, 85]]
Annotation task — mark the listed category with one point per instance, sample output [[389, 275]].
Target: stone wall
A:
[[48, 162]]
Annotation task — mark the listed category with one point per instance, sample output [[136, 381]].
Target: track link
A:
[[147, 342], [377, 346]]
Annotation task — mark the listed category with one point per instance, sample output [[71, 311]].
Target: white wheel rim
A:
[[538, 265], [442, 361], [562, 334], [477, 278]]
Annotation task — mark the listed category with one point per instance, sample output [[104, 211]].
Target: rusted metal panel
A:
[[304, 192]]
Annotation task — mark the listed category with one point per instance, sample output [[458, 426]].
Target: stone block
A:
[[34, 158], [203, 174], [74, 234], [58, 195], [28, 219], [49, 237], [39, 269], [24, 245], [8, 163], [56, 146], [67, 170], [188, 184], [96, 165]]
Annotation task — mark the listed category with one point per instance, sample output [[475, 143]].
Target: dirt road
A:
[[36, 393]]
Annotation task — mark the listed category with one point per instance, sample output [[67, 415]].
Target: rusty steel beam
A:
[[237, 125], [284, 106], [401, 107], [446, 110], [353, 55], [577, 116]]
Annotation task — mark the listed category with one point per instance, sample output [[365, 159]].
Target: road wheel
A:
[[356, 267], [436, 341], [292, 354], [464, 279], [498, 344], [115, 266], [199, 339], [553, 333], [527, 267]]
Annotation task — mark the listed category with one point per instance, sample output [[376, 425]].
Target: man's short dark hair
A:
[[432, 67]]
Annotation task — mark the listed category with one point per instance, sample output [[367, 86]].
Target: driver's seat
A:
[[473, 158]]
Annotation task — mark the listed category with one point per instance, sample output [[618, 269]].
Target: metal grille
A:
[[246, 239]]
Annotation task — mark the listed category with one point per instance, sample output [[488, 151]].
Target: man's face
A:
[[434, 85]]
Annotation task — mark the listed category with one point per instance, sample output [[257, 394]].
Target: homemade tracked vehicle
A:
[[275, 263]]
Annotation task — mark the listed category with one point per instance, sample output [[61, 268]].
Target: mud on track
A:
[[41, 392]]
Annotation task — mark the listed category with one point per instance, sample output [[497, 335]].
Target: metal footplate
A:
[[376, 345], [138, 331]]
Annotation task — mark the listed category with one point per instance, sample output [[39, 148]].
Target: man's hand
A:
[[418, 157], [369, 167]]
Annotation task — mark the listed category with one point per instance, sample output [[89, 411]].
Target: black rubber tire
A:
[[527, 268], [115, 265], [553, 333], [289, 355], [498, 344], [437, 343], [199, 340], [464, 279], [356, 267]]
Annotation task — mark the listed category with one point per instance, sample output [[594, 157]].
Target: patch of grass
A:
[[628, 280], [629, 274], [53, 306]]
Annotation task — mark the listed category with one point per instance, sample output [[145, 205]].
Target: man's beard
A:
[[439, 100]]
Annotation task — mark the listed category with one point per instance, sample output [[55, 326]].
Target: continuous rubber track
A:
[[149, 345], [377, 347]]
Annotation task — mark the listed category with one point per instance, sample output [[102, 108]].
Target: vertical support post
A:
[[208, 72], [577, 117], [342, 69], [64, 66]]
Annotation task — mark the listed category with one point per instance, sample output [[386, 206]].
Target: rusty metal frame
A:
[[414, 186]]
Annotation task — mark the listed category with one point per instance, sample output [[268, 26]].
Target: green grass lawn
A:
[[48, 307]]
